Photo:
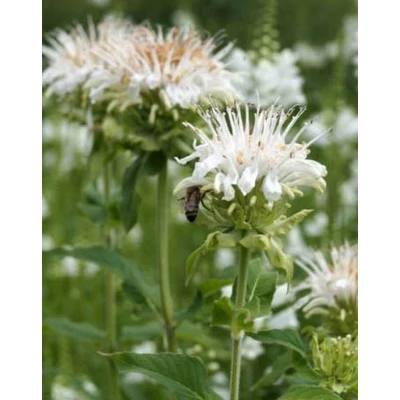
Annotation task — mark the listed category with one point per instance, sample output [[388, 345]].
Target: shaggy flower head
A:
[[69, 56], [244, 155], [123, 64], [333, 285], [267, 81], [177, 66]]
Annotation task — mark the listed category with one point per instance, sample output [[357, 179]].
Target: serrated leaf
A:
[[74, 330], [288, 338], [185, 376], [118, 264], [130, 199], [306, 392], [284, 226]]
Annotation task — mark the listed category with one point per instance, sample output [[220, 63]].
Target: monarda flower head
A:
[[238, 155], [332, 287], [70, 58], [171, 68], [248, 165]]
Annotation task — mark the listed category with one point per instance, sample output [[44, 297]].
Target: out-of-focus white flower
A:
[[145, 348], [329, 283], [242, 155], [61, 392], [99, 3], [266, 82], [294, 242], [70, 57], [47, 242], [136, 234], [220, 385], [45, 208], [349, 189], [315, 56], [177, 67], [251, 348], [224, 258], [91, 269], [69, 267], [284, 319], [316, 224], [226, 291]]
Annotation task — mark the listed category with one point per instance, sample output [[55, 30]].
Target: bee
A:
[[192, 201]]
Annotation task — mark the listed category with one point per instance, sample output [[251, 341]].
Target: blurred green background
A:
[[74, 289]]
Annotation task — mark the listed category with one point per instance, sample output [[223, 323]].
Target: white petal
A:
[[202, 168], [272, 188], [247, 181]]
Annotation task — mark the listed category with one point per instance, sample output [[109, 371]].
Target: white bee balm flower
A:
[[330, 283], [177, 66], [243, 154], [70, 58]]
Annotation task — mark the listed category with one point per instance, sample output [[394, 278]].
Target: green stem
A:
[[111, 306], [163, 266], [237, 336]]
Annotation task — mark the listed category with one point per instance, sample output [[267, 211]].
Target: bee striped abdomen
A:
[[192, 201]]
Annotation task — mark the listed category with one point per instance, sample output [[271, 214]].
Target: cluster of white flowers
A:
[[241, 154], [318, 56], [328, 282], [121, 62], [265, 82]]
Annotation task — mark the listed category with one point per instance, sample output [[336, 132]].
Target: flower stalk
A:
[[111, 307], [238, 337], [163, 265]]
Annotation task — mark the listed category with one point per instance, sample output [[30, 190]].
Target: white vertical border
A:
[[379, 199], [20, 199]]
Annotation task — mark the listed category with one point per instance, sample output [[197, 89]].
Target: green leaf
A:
[[192, 261], [306, 392], [261, 287], [213, 241], [283, 226], [278, 367], [211, 286], [224, 313], [130, 200], [129, 271], [183, 375], [278, 258], [74, 330], [288, 338], [93, 206]]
